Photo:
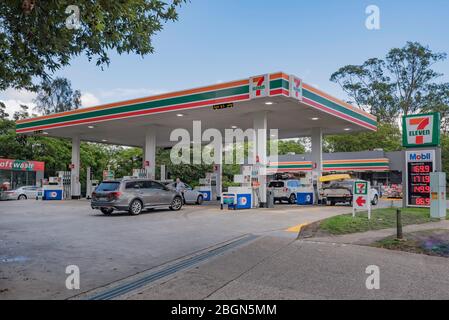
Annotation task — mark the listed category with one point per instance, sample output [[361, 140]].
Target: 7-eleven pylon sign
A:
[[259, 86], [421, 130]]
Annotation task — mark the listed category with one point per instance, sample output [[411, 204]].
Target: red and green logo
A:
[[421, 130], [259, 86], [360, 187], [295, 88]]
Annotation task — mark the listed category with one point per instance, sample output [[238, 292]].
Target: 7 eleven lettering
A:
[[420, 132]]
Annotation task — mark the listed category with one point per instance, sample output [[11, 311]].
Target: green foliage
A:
[[189, 173], [289, 146], [402, 83], [57, 96], [387, 137], [35, 41]]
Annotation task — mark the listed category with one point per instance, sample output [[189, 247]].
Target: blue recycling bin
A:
[[304, 198], [52, 195]]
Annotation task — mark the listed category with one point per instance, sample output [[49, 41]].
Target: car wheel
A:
[[176, 204], [22, 197], [107, 211], [332, 203], [199, 201], [135, 207], [375, 200], [292, 199]]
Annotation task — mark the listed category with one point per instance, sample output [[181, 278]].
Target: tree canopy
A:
[[38, 37], [404, 82], [57, 96]]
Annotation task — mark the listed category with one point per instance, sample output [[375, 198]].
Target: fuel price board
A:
[[419, 166]]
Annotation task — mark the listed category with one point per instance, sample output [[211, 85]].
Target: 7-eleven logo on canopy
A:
[[259, 86], [421, 130], [295, 88]]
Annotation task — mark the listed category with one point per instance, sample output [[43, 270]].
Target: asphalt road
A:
[[279, 268], [38, 240]]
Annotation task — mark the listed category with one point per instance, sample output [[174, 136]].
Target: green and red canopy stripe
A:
[[196, 98], [172, 104]]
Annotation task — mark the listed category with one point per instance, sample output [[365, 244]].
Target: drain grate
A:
[[128, 287]]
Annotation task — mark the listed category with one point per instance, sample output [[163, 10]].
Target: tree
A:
[[3, 114], [39, 37], [290, 146], [387, 137], [57, 96], [22, 113], [403, 83]]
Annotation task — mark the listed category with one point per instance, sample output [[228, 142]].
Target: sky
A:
[[223, 40]]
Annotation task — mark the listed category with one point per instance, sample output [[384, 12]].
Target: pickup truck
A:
[[342, 192]]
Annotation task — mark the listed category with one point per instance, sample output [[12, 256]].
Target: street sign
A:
[[361, 197], [421, 130]]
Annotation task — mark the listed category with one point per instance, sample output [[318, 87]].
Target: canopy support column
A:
[[218, 170], [317, 160], [150, 152], [260, 154], [75, 186]]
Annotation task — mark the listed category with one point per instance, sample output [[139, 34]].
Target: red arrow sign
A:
[[360, 201]]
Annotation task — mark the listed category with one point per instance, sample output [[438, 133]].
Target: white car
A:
[[22, 193], [285, 190], [191, 196]]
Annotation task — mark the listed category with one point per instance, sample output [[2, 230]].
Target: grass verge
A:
[[380, 219]]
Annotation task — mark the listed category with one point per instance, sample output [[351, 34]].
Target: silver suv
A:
[[134, 195]]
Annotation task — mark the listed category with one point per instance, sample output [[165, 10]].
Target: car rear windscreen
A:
[[276, 184], [108, 186]]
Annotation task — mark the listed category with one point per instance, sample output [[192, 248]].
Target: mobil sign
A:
[[420, 156], [421, 130]]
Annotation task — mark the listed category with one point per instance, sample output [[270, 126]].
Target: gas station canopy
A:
[[291, 106]]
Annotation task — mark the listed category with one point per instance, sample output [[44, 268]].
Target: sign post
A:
[[361, 197]]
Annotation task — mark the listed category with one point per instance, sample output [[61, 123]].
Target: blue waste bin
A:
[[304, 198]]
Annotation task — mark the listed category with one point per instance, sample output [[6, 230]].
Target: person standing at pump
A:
[[180, 187]]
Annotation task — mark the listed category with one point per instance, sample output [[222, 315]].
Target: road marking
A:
[[297, 228]]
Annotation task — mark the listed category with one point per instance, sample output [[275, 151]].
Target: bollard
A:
[[398, 224]]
